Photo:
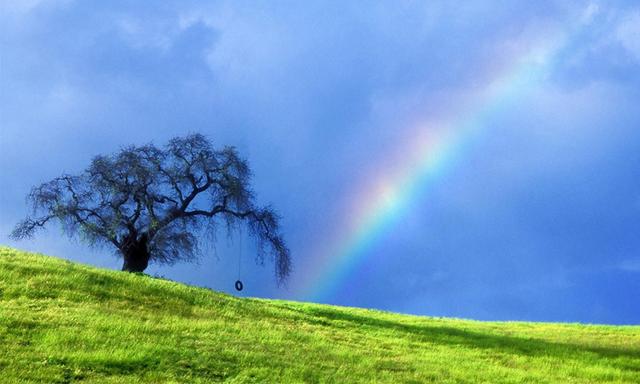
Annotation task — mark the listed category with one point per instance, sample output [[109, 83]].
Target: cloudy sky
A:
[[523, 203]]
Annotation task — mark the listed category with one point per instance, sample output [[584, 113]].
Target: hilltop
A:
[[63, 322]]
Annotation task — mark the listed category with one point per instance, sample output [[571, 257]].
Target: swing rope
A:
[[239, 286], [240, 253]]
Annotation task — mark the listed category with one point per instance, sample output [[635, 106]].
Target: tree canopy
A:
[[158, 204]]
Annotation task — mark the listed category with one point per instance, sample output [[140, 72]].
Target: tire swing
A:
[[239, 285]]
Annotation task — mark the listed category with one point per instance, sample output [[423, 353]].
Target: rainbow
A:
[[429, 152]]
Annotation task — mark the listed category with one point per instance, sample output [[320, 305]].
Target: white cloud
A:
[[628, 33], [23, 7], [152, 32], [139, 35], [19, 7], [630, 265], [590, 12]]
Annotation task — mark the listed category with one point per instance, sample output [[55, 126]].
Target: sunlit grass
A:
[[63, 322]]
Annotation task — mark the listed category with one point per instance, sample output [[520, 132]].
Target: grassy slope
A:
[[66, 322]]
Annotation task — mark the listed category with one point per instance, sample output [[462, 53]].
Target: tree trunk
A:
[[136, 255]]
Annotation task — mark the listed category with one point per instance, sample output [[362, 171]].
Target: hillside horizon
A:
[[67, 322]]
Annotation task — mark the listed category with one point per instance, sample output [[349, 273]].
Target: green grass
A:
[[62, 322]]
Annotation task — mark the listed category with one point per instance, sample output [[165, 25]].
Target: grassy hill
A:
[[63, 322]]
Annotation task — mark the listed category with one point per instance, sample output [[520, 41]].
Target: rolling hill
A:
[[63, 322]]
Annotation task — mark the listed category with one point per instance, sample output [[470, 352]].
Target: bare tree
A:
[[155, 204]]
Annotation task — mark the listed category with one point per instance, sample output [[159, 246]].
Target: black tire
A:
[[239, 285]]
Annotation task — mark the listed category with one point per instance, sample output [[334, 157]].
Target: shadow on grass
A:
[[500, 343]]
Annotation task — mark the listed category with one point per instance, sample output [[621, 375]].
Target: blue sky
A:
[[539, 219]]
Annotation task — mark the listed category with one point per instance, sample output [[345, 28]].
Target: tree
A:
[[156, 204]]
